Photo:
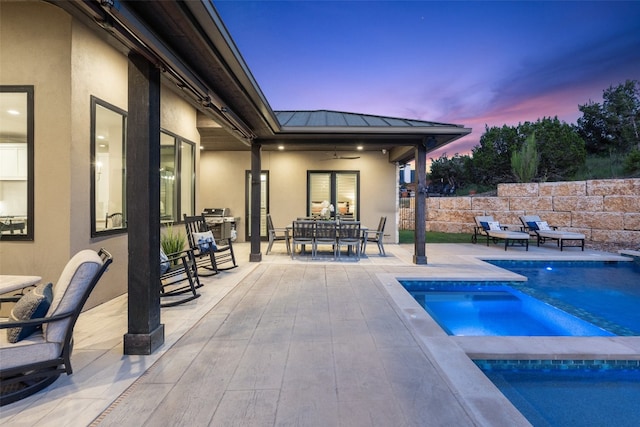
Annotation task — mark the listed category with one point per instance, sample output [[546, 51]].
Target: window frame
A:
[[333, 190], [178, 142], [95, 102], [30, 141]]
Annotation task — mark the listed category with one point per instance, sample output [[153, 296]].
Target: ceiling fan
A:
[[336, 157]]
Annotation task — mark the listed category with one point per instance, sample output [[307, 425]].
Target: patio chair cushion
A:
[[69, 289], [542, 225], [32, 305], [31, 349], [485, 225], [164, 261], [205, 241]]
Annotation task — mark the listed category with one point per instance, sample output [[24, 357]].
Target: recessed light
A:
[[280, 147], [360, 147], [13, 112]]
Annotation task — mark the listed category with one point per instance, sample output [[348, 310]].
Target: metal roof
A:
[[326, 118]]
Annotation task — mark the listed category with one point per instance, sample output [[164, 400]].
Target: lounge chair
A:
[[492, 230], [543, 232], [37, 359]]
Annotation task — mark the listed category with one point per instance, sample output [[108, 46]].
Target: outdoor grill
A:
[[221, 223]]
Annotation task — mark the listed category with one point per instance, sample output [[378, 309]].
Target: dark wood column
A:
[[256, 170], [419, 255], [145, 332]]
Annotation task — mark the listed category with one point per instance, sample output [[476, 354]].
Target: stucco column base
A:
[[420, 260], [255, 257], [144, 344]]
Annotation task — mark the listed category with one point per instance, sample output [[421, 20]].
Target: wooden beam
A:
[[145, 332], [420, 225], [256, 170]]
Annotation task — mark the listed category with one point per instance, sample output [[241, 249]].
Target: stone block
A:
[[578, 203], [598, 220], [557, 219], [530, 203], [490, 205], [433, 202], [622, 203], [632, 221], [630, 238], [455, 203], [447, 227], [606, 187], [570, 188], [529, 189]]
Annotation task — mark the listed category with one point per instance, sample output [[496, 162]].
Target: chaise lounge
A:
[[542, 231], [487, 226]]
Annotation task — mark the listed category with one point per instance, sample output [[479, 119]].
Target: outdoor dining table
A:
[[289, 233], [10, 283]]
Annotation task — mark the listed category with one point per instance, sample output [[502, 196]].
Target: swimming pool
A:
[[606, 294], [570, 392], [494, 308]]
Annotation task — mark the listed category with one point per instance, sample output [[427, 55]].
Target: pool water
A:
[[606, 294], [465, 309], [568, 394]]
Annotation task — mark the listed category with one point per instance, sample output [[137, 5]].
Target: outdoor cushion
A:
[[494, 226], [542, 225], [164, 261], [205, 241], [68, 290], [32, 305], [532, 225], [32, 349], [485, 225]]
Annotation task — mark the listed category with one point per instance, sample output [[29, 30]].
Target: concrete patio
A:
[[304, 343]]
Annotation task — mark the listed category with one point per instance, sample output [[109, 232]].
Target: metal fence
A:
[[407, 208]]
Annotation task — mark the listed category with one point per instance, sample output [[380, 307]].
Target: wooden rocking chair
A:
[[208, 257]]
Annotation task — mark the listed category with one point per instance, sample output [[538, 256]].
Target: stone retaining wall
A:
[[603, 210]]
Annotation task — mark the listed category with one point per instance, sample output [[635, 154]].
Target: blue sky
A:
[[463, 62]]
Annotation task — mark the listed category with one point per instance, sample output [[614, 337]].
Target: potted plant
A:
[[172, 240]]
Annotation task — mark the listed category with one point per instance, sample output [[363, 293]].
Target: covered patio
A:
[[305, 342]]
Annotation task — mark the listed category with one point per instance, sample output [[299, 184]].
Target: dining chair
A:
[[303, 234], [375, 236], [277, 235], [349, 235], [326, 234]]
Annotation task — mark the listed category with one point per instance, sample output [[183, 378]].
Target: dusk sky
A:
[[469, 63]]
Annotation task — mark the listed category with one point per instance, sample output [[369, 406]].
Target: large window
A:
[[108, 161], [177, 177], [16, 163], [339, 188]]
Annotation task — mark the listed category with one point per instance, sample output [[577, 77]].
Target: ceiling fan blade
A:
[[348, 157]]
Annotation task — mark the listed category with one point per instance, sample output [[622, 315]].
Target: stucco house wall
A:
[[83, 65], [288, 185]]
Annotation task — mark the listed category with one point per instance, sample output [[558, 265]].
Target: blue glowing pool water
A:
[[464, 309], [570, 393], [606, 294]]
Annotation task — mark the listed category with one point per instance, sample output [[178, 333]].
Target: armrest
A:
[[35, 322]]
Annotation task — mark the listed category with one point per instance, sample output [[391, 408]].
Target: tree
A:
[[524, 162], [562, 151], [491, 159], [449, 171], [613, 126]]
